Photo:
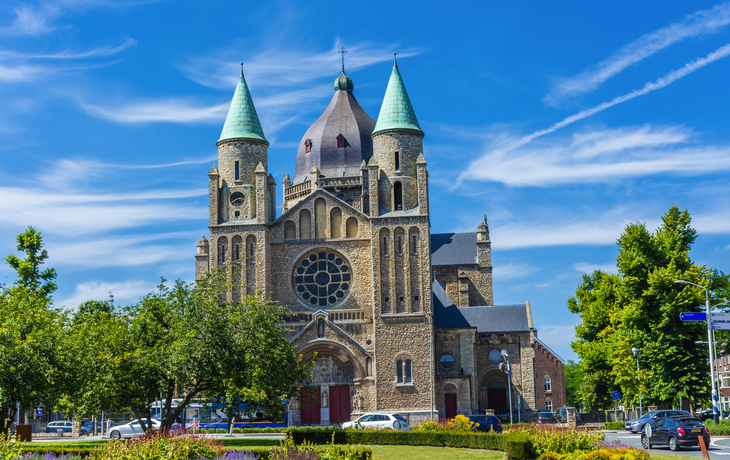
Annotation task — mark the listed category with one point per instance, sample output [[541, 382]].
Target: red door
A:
[[450, 400], [340, 404], [497, 398], [310, 406]]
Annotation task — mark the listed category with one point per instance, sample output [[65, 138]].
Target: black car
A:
[[675, 432], [543, 418], [636, 425], [487, 422]]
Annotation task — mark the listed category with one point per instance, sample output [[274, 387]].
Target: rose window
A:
[[322, 278]]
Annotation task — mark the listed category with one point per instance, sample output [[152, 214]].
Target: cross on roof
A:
[[342, 52]]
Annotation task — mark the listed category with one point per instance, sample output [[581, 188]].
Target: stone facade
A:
[[351, 257]]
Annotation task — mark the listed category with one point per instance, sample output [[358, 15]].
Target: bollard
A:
[[59, 433]]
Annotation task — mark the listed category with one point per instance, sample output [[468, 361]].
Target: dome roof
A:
[[344, 117]]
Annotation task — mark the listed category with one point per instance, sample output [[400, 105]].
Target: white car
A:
[[130, 430], [379, 420]]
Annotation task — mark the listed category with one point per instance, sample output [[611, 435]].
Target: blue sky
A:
[[563, 121]]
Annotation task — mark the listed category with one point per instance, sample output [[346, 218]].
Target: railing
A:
[[298, 318], [298, 189], [340, 181], [346, 315]]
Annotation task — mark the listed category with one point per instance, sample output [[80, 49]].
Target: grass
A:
[[243, 442], [42, 444], [657, 456], [436, 453]]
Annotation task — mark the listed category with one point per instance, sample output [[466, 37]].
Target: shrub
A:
[[610, 453], [614, 425], [560, 440], [160, 446], [431, 425], [463, 423], [308, 451], [8, 449]]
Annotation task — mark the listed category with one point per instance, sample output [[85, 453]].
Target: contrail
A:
[[660, 83]]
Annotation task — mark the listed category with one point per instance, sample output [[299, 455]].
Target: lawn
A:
[[434, 453], [658, 456]]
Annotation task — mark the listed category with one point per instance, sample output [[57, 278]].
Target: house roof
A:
[[453, 249], [489, 319]]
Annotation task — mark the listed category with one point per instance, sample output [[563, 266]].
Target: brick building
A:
[[400, 319]]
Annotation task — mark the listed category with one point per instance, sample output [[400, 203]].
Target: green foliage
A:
[[289, 450], [462, 423], [29, 270], [9, 450], [608, 453], [159, 447], [573, 379], [559, 440], [614, 425], [639, 307]]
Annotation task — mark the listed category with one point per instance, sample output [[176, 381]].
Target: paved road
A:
[[719, 447]]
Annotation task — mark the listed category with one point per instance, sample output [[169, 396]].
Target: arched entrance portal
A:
[[493, 392], [328, 400]]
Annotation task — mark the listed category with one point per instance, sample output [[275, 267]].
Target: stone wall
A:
[[248, 154]]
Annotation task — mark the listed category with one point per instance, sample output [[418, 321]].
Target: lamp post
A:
[[509, 381], [715, 410], [635, 351]]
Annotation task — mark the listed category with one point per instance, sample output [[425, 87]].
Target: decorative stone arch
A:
[[330, 349], [449, 388], [492, 389]]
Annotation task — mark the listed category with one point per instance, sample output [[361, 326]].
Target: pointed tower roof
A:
[[242, 122], [396, 111]]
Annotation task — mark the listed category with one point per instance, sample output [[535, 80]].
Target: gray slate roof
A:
[[489, 319], [453, 249]]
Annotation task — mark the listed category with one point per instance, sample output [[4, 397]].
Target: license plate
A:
[[696, 431]]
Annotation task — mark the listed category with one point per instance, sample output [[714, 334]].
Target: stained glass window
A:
[[322, 278]]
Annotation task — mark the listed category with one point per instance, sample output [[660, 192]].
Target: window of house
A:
[[397, 160], [305, 225], [351, 227], [549, 405], [384, 247], [222, 254], [320, 328], [447, 361], [238, 170], [403, 369], [414, 244], [547, 384], [340, 140], [398, 196], [369, 366], [336, 223], [236, 252], [399, 245], [290, 231], [308, 145]]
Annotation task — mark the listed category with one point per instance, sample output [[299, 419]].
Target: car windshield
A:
[[648, 414], [401, 418], [689, 422], [547, 415]]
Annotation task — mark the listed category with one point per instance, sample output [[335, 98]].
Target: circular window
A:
[[495, 355], [322, 278], [447, 361]]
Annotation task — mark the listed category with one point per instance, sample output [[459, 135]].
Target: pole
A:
[[715, 411], [615, 410], [638, 371], [509, 389]]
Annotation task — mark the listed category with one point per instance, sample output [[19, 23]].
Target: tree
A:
[[639, 308], [29, 270], [573, 379], [30, 333]]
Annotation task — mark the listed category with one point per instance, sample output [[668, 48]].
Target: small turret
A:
[[201, 258]]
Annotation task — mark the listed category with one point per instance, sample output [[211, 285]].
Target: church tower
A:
[[241, 196]]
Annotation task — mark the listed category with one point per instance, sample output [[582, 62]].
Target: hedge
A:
[[614, 425], [721, 429]]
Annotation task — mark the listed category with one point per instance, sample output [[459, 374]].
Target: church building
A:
[[400, 319]]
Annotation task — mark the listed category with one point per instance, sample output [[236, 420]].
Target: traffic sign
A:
[[720, 326], [721, 316], [685, 316], [616, 395]]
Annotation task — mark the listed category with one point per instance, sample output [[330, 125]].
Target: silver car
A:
[[379, 420], [130, 430]]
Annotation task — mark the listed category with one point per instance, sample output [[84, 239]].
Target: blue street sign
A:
[[720, 326], [616, 395], [693, 316]]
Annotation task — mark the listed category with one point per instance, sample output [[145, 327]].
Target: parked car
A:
[[66, 426], [675, 432], [379, 420], [637, 424], [487, 422], [503, 415], [544, 418], [130, 430], [561, 414]]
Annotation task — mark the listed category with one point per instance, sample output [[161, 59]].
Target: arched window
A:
[[396, 158], [547, 384], [222, 247], [549, 405], [320, 218], [369, 366], [340, 140], [403, 370], [308, 145], [352, 227], [238, 170], [305, 225], [290, 230], [320, 328], [398, 196], [336, 222]]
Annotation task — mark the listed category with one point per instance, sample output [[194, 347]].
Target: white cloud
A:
[[587, 267], [99, 51], [513, 270], [33, 21], [125, 292], [557, 338], [699, 23], [477, 169], [171, 111]]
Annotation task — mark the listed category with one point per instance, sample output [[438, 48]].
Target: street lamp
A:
[[635, 351], [509, 381], [715, 410]]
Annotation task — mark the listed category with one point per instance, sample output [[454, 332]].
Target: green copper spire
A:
[[242, 121], [396, 111]]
